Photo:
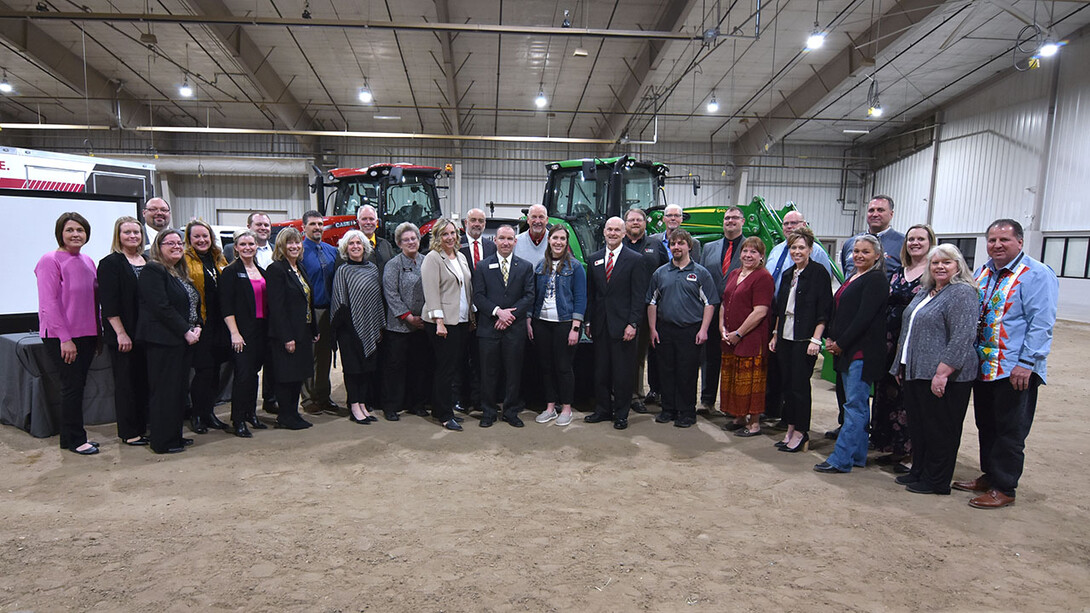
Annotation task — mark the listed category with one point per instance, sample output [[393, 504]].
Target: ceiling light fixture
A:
[[541, 100], [875, 109], [365, 95], [817, 35], [5, 86], [579, 52], [1049, 48], [851, 131], [184, 90], [713, 104]]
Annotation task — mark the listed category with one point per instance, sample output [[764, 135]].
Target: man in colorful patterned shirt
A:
[[1013, 343]]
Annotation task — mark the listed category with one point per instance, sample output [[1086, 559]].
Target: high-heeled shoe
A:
[[364, 421], [214, 422], [804, 445], [196, 424], [255, 422]]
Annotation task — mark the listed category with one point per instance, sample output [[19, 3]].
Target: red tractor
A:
[[399, 192]]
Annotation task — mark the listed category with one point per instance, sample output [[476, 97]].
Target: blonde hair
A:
[[115, 246], [437, 231], [950, 252], [287, 235]]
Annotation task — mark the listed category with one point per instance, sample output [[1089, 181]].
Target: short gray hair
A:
[[342, 245], [403, 227]]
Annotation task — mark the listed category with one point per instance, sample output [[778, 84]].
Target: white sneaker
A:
[[546, 417], [563, 420]]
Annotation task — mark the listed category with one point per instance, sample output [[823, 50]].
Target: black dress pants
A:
[[678, 362], [501, 360], [935, 427], [73, 380], [247, 364], [795, 369], [168, 373], [614, 374], [449, 354], [555, 357], [207, 357], [407, 370], [710, 372], [1004, 416], [130, 390]]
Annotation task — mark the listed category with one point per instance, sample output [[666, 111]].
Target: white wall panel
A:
[[989, 154], [908, 182], [1067, 199], [203, 197]]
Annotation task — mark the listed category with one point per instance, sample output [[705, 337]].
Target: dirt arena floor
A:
[[408, 517]]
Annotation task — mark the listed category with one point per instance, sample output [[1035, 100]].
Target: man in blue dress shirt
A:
[[318, 262]]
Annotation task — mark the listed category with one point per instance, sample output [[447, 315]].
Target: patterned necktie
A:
[[609, 266], [503, 270], [726, 260], [476, 252]]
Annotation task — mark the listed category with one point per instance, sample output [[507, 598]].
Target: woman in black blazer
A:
[[803, 301], [168, 324], [245, 309], [857, 338], [293, 327], [204, 262], [120, 301]]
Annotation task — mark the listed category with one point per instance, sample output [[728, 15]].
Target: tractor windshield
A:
[[584, 203], [413, 198]]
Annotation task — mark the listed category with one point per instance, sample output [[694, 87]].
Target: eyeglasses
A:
[[170, 244], [672, 215]]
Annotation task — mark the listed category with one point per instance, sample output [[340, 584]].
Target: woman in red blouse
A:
[[743, 326]]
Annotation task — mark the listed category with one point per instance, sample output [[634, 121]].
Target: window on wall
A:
[[1068, 256], [966, 245]]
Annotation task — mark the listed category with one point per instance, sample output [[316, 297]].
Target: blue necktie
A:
[[779, 266]]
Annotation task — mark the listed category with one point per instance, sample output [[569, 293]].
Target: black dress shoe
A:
[[362, 422], [391, 415], [296, 424], [453, 425], [596, 417], [256, 423], [270, 407], [827, 468], [214, 423], [143, 440], [663, 418], [332, 408], [171, 450], [462, 409], [196, 424], [832, 434], [684, 422], [638, 406], [620, 424], [92, 450], [514, 421], [486, 422], [371, 418], [459, 419], [908, 479], [652, 398], [419, 412], [731, 426], [242, 431], [187, 442], [920, 487]]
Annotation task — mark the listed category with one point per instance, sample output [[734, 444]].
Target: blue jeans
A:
[[851, 445]]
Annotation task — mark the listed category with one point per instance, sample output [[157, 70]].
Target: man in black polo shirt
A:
[[654, 255], [680, 305]]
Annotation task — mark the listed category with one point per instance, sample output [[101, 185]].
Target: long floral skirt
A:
[[742, 383]]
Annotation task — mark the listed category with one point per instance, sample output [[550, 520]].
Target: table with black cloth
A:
[[30, 392]]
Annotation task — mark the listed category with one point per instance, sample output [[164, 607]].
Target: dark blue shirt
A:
[[318, 259]]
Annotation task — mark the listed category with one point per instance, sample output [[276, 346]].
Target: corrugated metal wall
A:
[[1067, 199], [989, 160], [205, 197], [908, 182]]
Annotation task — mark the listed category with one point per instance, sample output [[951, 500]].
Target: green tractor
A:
[[583, 194]]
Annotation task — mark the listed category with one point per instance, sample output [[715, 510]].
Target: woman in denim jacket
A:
[[560, 301]]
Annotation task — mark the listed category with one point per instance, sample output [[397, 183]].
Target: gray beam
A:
[[642, 70], [446, 40], [252, 60], [45, 52], [849, 62]]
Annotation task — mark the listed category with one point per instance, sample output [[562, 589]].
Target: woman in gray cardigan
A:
[[408, 357], [937, 364]]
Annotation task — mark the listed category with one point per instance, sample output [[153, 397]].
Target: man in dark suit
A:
[[503, 292], [467, 390], [616, 284], [381, 249], [720, 258]]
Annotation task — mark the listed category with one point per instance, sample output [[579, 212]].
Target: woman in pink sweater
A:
[[68, 319]]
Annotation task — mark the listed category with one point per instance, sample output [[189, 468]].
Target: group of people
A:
[[910, 319]]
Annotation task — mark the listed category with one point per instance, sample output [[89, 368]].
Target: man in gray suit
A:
[[672, 216], [879, 216], [720, 258]]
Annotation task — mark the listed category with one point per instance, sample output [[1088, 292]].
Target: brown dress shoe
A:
[[992, 499], [980, 484]]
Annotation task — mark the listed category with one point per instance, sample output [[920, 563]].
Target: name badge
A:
[[691, 277], [496, 265], [242, 275], [650, 250], [599, 262]]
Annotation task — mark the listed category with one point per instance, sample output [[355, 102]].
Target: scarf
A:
[[357, 287], [195, 269]]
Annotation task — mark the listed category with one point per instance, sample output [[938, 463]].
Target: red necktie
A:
[[609, 266], [726, 260], [476, 252]]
